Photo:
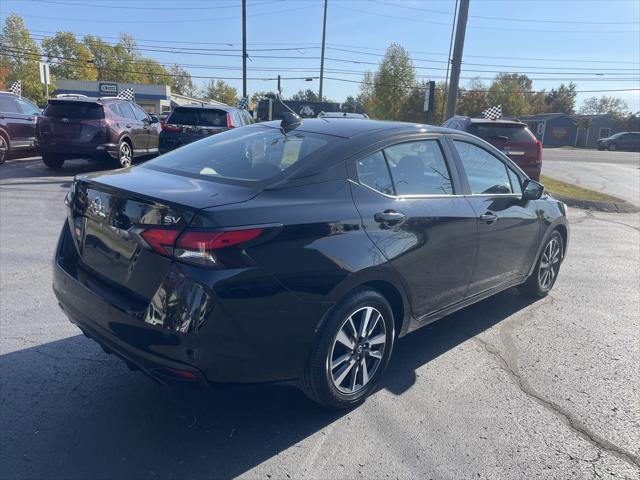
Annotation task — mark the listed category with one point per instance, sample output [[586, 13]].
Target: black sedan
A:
[[298, 250]]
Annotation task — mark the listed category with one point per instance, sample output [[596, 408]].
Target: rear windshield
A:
[[199, 117], [252, 153], [505, 132], [75, 110]]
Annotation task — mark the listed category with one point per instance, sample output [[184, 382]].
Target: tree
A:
[[393, 83], [353, 105], [19, 58], [473, 100], [181, 81], [220, 91], [69, 58], [113, 62], [605, 105], [307, 95], [511, 90], [366, 96], [562, 99]]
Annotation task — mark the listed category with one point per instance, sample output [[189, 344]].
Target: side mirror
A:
[[154, 118], [532, 190]]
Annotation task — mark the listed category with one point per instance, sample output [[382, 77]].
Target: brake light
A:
[[171, 127], [230, 121], [539, 152], [160, 239]]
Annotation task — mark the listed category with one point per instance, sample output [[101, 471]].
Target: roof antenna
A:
[[290, 120]]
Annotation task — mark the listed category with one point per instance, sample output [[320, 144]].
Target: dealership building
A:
[[155, 99]]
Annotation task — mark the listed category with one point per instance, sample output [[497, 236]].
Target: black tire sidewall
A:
[[536, 274], [122, 142], [52, 160], [317, 373]]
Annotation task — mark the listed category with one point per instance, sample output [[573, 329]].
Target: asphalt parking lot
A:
[[508, 388]]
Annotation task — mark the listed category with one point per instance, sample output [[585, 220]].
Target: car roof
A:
[[209, 106], [100, 100], [350, 127], [502, 121]]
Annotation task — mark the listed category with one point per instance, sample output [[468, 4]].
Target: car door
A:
[[508, 227], [135, 128], [150, 130], [20, 128], [412, 208], [31, 113]]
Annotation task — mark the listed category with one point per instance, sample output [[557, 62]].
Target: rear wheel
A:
[[612, 147], [125, 154], [4, 149], [352, 351], [53, 160], [545, 274]]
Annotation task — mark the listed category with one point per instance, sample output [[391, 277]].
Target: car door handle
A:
[[128, 125], [489, 217], [389, 216]]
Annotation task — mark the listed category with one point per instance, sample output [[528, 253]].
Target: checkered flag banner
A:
[[16, 88], [127, 94], [243, 103], [493, 113]]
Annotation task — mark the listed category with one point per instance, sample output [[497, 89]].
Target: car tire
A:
[[125, 154], [545, 274], [612, 147], [4, 148], [53, 160], [343, 370]]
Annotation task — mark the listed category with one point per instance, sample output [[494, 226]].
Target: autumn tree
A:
[[220, 91], [562, 99], [605, 105], [511, 90], [181, 81], [69, 58], [473, 100], [393, 83]]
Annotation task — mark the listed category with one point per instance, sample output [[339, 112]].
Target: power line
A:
[[154, 8]]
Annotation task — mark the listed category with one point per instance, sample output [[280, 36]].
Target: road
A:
[[615, 173], [506, 389]]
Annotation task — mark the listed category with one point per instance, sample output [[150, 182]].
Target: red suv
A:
[[510, 136], [96, 128]]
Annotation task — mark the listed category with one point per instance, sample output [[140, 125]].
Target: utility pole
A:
[[244, 48], [456, 60], [279, 87], [324, 37]]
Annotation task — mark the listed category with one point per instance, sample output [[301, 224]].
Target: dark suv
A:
[[17, 123], [189, 123], [510, 136], [620, 141], [103, 128]]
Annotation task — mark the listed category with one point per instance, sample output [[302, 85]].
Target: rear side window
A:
[[201, 117], [8, 104], [126, 110], [505, 132], [139, 112], [28, 108], [419, 168], [373, 172], [75, 110], [251, 154], [486, 173]]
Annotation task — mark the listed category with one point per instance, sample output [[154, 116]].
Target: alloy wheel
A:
[[357, 350], [549, 264], [3, 149], [125, 154]]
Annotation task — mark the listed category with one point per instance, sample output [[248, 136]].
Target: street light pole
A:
[[324, 37], [244, 48], [456, 60]]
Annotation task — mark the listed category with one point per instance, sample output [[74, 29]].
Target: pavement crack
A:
[[562, 413]]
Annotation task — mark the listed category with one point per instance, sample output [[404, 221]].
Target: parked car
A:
[[104, 129], [189, 123], [342, 115], [17, 124], [620, 141], [510, 136], [299, 250]]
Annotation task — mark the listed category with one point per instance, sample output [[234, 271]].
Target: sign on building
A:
[[108, 88]]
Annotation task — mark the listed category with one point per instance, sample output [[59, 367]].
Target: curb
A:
[[612, 207]]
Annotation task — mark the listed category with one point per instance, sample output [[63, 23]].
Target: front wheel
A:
[[352, 351], [612, 147], [125, 154], [4, 149], [53, 160], [545, 274]]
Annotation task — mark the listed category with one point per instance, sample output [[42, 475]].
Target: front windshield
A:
[[250, 153]]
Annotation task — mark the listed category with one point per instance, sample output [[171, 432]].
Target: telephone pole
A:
[[324, 37], [244, 48], [456, 60]]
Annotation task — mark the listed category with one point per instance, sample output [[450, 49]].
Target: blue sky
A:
[[597, 43]]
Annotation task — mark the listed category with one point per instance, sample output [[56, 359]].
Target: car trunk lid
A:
[[512, 138], [66, 121]]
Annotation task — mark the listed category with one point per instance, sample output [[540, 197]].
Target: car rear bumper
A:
[[254, 331], [79, 149]]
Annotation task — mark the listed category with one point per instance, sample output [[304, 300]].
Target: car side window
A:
[[373, 172], [486, 173], [9, 105], [515, 182], [126, 110], [139, 113], [419, 168], [28, 108]]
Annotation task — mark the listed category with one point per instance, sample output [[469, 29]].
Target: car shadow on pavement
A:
[[68, 410]]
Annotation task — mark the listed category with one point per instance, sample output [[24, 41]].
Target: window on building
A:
[[604, 133]]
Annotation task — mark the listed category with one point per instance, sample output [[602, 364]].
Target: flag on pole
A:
[[493, 113], [127, 94], [243, 103], [16, 88]]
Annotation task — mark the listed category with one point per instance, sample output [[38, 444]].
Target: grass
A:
[[573, 191]]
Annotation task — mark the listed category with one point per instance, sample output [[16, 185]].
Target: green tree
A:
[[353, 105], [473, 100], [181, 81], [113, 62], [19, 57], [393, 83], [69, 58], [307, 95], [562, 99], [511, 90], [366, 96], [605, 105], [220, 91]]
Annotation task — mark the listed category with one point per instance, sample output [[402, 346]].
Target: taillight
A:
[[539, 152], [230, 121], [197, 246], [171, 127]]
